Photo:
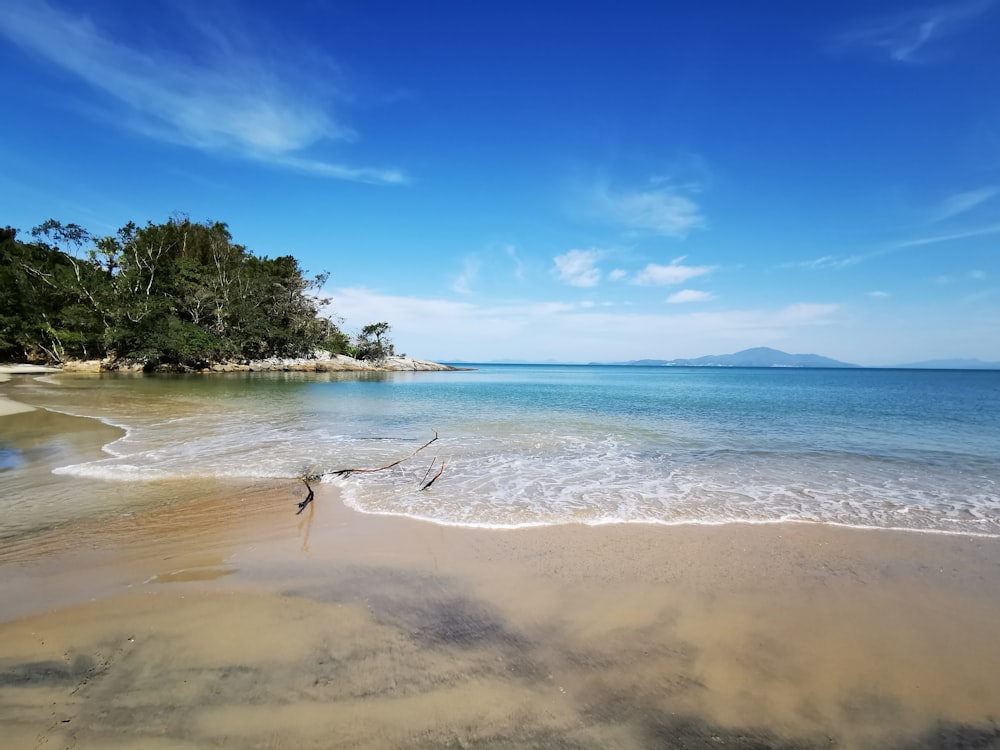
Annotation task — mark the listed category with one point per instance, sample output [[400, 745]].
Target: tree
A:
[[373, 342], [179, 292]]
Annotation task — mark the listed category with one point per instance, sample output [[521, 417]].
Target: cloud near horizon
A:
[[580, 332], [228, 98]]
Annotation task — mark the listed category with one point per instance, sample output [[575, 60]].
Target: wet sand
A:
[[221, 619]]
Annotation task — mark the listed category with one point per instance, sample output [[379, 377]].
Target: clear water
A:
[[527, 445]]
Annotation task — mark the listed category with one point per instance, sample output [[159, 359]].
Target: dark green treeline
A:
[[173, 293]]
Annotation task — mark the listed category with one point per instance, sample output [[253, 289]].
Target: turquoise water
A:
[[526, 445]]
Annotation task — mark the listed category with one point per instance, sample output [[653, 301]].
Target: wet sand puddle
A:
[[386, 633]]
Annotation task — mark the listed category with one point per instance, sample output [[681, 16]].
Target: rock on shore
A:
[[321, 362]]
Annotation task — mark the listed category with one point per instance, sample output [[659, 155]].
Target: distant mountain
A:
[[951, 364], [760, 356]]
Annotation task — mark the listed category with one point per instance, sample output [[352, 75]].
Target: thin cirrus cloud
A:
[[233, 102], [674, 272], [665, 211], [963, 202], [906, 36], [578, 267], [838, 262]]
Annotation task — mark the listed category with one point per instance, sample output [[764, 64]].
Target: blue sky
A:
[[535, 181]]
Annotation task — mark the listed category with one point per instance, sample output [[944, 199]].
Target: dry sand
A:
[[224, 620], [8, 406]]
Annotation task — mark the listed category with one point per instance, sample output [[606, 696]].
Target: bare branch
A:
[[347, 472]]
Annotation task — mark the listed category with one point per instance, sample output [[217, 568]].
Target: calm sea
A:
[[526, 445]]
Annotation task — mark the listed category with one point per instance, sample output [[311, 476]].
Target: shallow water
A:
[[525, 445]]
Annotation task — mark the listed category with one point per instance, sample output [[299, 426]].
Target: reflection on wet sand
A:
[[232, 623]]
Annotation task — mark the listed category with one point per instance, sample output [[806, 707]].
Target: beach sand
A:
[[222, 619]]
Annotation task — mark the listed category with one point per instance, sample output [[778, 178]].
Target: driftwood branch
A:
[[309, 497], [433, 478], [347, 472]]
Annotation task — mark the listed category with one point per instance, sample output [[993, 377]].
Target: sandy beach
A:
[[222, 619]]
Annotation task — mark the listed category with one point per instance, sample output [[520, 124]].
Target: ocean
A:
[[524, 445]]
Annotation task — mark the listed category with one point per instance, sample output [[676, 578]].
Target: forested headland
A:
[[177, 293]]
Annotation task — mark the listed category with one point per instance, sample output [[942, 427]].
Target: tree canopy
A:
[[173, 293]]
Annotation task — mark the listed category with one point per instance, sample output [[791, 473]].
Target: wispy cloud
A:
[[511, 252], [950, 237], [878, 294], [222, 97], [663, 210], [486, 266], [462, 284], [845, 261], [963, 202], [578, 267], [689, 295], [826, 261], [673, 273], [906, 36]]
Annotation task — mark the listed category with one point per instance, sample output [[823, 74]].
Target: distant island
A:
[[760, 356]]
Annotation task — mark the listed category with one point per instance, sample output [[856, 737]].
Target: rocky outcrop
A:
[[320, 362], [340, 363]]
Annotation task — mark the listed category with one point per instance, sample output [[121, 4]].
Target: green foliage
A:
[[373, 342], [175, 293]]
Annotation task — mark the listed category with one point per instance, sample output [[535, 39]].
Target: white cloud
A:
[[879, 294], [224, 96], [665, 211], [689, 295], [578, 267], [674, 273], [904, 36], [617, 275]]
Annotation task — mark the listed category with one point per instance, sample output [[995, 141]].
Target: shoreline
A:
[[674, 524], [9, 406], [215, 616]]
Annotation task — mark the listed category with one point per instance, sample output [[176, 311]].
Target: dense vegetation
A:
[[173, 293]]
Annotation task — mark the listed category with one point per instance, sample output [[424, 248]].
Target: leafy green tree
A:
[[373, 342], [178, 292]]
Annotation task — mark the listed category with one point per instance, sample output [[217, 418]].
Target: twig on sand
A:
[[309, 497]]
